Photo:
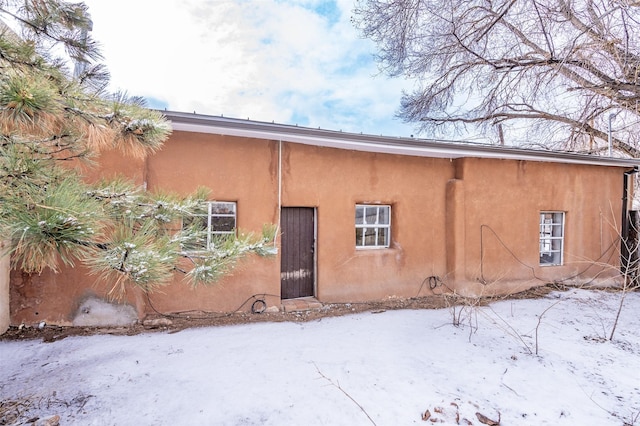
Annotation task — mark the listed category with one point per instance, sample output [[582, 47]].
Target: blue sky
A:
[[294, 61]]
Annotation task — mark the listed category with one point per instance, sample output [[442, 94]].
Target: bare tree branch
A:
[[478, 62]]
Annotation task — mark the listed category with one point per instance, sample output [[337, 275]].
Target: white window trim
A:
[[376, 226], [210, 215], [551, 238]]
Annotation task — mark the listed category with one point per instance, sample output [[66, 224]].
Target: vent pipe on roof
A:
[[611, 117]]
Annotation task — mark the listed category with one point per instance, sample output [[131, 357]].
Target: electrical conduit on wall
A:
[[275, 236]]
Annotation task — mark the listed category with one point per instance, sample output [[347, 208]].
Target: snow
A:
[[96, 312], [383, 368]]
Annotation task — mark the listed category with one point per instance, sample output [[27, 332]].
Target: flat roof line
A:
[[191, 122]]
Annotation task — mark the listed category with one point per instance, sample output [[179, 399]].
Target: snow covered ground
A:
[[386, 368]]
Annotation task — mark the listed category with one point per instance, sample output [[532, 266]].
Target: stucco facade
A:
[[463, 218]]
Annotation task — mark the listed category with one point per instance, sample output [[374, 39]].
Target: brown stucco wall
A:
[[54, 297], [502, 201], [235, 169], [335, 181], [473, 223]]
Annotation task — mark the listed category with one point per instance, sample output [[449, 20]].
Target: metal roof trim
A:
[[190, 122]]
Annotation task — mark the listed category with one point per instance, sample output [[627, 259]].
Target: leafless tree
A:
[[562, 69]]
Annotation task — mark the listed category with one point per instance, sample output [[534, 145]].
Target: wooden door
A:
[[298, 246]]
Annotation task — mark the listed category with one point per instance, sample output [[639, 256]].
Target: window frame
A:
[[550, 237], [376, 227], [210, 215]]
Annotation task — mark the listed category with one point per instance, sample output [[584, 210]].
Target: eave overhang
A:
[[188, 122]]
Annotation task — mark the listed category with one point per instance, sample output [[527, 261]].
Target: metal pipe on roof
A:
[[611, 117]]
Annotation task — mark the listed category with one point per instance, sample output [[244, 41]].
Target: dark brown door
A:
[[297, 258]]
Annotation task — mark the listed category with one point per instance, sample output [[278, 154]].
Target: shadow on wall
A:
[[93, 311]]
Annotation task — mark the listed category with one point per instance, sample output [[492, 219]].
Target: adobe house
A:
[[364, 217]]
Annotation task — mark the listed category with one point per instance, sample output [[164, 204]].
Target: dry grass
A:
[[14, 411]]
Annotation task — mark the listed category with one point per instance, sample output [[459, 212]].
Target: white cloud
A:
[[297, 62]]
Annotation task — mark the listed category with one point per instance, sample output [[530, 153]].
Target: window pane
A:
[[212, 219], [383, 217], [551, 258], [372, 224], [551, 238], [382, 236], [359, 215], [369, 236], [371, 215], [223, 224], [223, 208], [544, 246], [223, 218]]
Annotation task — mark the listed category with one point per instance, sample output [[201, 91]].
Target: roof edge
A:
[[198, 123]]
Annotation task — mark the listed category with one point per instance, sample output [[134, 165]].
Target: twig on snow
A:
[[540, 320], [337, 385], [507, 386]]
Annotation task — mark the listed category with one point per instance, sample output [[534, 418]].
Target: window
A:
[[212, 220], [551, 238], [373, 226]]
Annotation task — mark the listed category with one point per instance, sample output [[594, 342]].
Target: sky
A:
[[289, 61], [545, 361]]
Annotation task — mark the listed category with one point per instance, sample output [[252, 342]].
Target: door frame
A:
[[315, 248]]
